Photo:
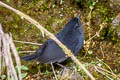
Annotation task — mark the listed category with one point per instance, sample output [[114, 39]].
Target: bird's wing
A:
[[52, 53], [36, 55]]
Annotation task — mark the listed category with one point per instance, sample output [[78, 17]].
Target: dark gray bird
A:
[[72, 36]]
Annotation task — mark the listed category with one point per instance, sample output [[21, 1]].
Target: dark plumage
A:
[[71, 36]]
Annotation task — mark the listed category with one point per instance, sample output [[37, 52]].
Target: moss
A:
[[53, 16]]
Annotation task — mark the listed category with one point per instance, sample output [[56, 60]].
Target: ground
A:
[[102, 45]]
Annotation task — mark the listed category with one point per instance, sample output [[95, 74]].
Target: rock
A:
[[68, 74], [115, 4], [116, 21]]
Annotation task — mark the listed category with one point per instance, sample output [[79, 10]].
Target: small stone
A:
[[68, 74], [116, 21]]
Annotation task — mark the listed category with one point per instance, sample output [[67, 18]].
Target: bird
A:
[[72, 36]]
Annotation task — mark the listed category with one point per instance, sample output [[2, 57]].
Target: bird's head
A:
[[72, 27]]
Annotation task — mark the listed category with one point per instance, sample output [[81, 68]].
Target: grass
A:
[[54, 17]]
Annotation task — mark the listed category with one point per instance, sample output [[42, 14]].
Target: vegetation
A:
[[101, 46]]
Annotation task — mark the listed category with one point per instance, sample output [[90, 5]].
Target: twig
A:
[[106, 71], [10, 57], [17, 58], [11, 73], [6, 48], [87, 42], [54, 71], [105, 64], [43, 30], [103, 73], [97, 33], [27, 51], [102, 51], [27, 42]]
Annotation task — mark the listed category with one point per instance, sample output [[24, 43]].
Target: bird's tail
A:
[[36, 55], [30, 57]]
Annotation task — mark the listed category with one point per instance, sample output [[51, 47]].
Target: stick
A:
[[54, 71], [27, 51], [17, 58], [27, 42], [100, 68], [103, 73], [6, 48]]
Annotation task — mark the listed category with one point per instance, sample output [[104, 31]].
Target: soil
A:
[[103, 48]]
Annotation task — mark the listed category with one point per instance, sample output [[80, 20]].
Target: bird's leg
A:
[[61, 65], [54, 71], [64, 67]]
